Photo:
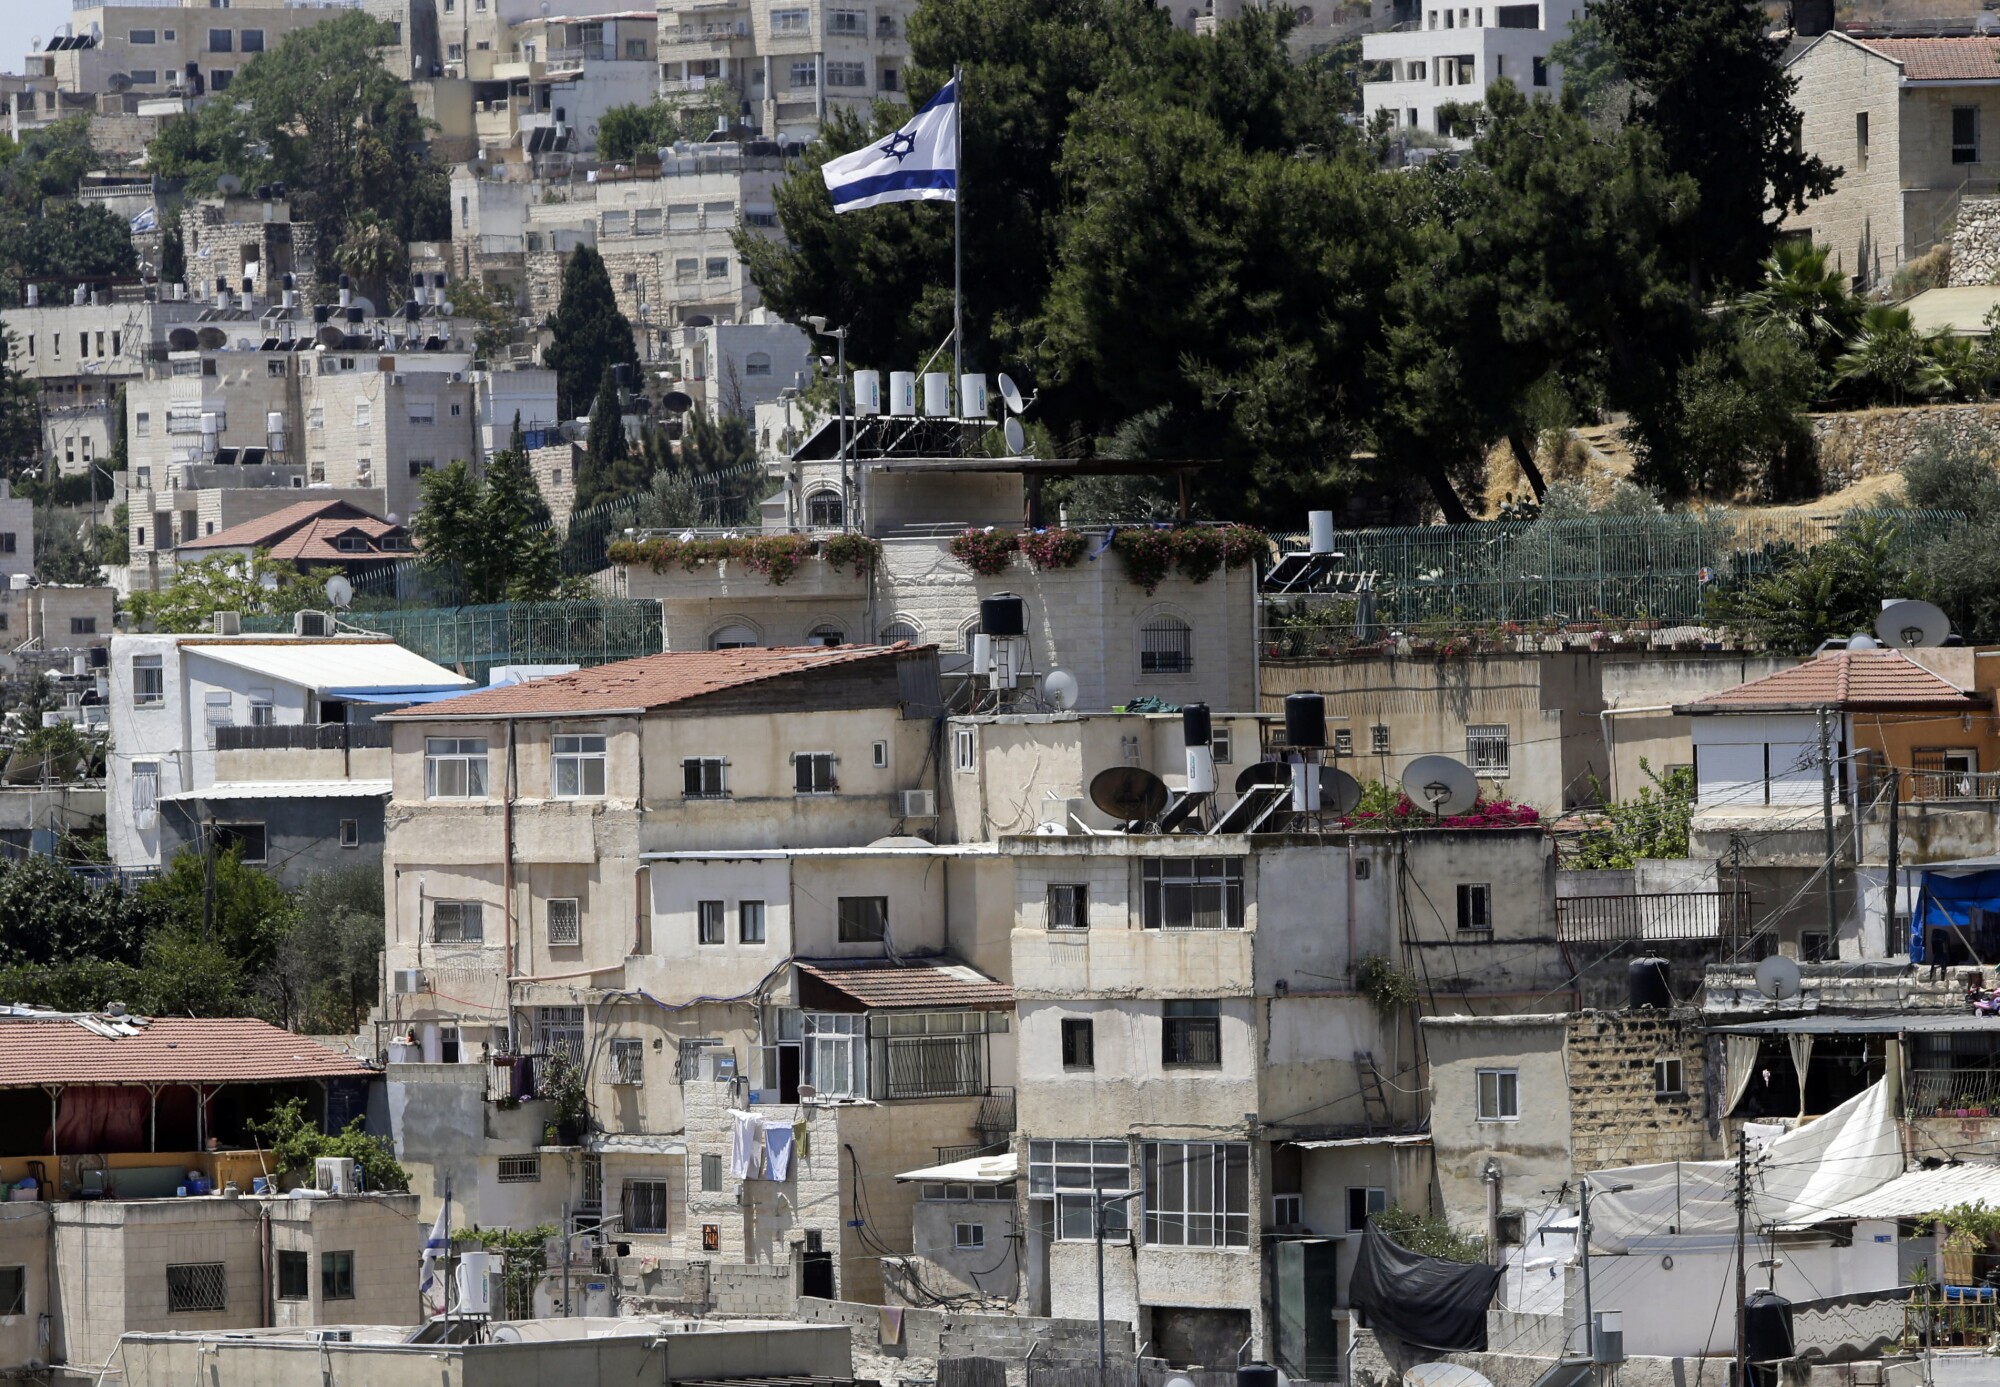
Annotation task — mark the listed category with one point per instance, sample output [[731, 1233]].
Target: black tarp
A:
[[1428, 1302]]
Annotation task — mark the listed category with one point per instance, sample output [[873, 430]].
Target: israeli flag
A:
[[147, 220], [436, 1247], [919, 163]]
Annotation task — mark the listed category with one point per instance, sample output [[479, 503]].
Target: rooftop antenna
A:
[[1441, 784], [1011, 393], [339, 592], [1059, 688], [1017, 438]]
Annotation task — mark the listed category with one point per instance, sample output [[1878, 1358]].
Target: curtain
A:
[[1801, 1045], [1739, 1059]]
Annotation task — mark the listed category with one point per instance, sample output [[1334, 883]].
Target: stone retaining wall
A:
[[1975, 242], [1874, 442]]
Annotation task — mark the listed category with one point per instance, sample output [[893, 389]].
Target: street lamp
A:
[[839, 336], [1098, 1204]]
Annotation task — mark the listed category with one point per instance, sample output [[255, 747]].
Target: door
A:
[[816, 1272], [788, 1073]]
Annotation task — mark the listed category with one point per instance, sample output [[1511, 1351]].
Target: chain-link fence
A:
[[472, 640]]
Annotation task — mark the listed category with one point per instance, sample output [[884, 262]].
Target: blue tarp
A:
[[430, 695], [1949, 898]]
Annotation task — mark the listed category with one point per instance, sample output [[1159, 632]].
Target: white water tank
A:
[[972, 398], [34, 295], [937, 394], [475, 1283], [1319, 523], [902, 393], [868, 392]]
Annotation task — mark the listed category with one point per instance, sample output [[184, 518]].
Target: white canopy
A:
[[979, 1170]]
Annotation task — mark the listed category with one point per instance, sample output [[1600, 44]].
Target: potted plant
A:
[[561, 1082]]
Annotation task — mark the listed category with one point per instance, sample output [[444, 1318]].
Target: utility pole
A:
[[1098, 1204], [1742, 1288], [1893, 898], [1583, 1249], [1826, 816]]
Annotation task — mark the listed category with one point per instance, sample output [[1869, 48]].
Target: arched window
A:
[[824, 510], [826, 634], [757, 364], [1166, 646], [901, 630], [732, 637]]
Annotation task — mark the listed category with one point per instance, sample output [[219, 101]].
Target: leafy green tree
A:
[[257, 585], [1590, 69], [67, 241], [626, 132], [1887, 361], [20, 413], [490, 539], [1741, 422], [47, 163], [1653, 824], [212, 897], [610, 470], [373, 255], [1804, 294], [1832, 590], [295, 1142], [493, 309], [591, 335], [185, 974], [1954, 469], [50, 915], [328, 959], [1711, 86]]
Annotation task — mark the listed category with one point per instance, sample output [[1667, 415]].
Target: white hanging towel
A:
[[778, 1150], [745, 1128]]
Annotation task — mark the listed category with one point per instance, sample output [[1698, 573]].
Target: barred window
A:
[[196, 1286], [560, 1028], [687, 1065], [628, 1061], [812, 773], [565, 921], [1378, 739], [1069, 907], [824, 510], [457, 922], [1193, 893], [1191, 1033], [702, 777], [1486, 747], [520, 1170], [1166, 646], [646, 1206]]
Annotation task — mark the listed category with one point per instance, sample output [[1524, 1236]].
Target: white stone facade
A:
[[1452, 52]]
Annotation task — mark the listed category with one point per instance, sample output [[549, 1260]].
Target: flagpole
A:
[[958, 236]]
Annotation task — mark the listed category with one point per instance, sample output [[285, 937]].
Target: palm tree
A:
[[1960, 367], [1805, 295], [1887, 360], [374, 255]]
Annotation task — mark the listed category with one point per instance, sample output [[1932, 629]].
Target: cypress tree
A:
[[610, 470], [591, 335]]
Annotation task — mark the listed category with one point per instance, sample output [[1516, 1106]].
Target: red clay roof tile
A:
[[1965, 58], [1855, 680], [882, 985], [37, 1050]]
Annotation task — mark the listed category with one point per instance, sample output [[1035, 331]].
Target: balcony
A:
[[1675, 915]]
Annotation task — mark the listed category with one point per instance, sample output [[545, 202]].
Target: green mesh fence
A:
[[472, 640]]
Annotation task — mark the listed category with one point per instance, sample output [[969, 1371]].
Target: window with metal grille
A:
[[750, 922], [196, 1286], [927, 1054], [708, 923], [687, 1060], [702, 778], [1343, 742], [1166, 646], [1191, 1033], [1378, 740], [520, 1170], [560, 1028], [579, 767], [1193, 893], [812, 773], [628, 1061], [1197, 1193], [646, 1206], [864, 919], [457, 922], [1069, 1173], [565, 921], [1069, 907], [824, 510], [1667, 1077], [294, 1276], [805, 74], [336, 1275], [1079, 1043], [1475, 906], [1486, 748]]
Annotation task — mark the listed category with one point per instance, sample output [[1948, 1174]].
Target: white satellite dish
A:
[[339, 591], [1778, 978], [1017, 438], [504, 1334], [1909, 625], [1861, 640], [1059, 688], [1011, 393], [1440, 785], [229, 183]]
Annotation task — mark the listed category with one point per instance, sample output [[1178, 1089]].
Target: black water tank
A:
[[1767, 1327], [1195, 729], [1305, 719], [1003, 616], [1811, 18], [1651, 983], [1256, 1375]]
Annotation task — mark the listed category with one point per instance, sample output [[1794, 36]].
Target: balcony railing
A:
[[1950, 785], [328, 736], [1673, 915], [930, 1066], [1952, 1092]]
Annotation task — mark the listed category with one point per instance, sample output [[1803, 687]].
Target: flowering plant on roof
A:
[[1197, 551], [777, 557], [985, 551], [850, 550], [1059, 547], [1406, 813]]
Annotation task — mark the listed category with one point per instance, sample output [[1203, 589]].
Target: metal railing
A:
[[1669, 915], [930, 1066], [1951, 1092], [965, 1151], [1950, 785], [1952, 1316], [331, 736]]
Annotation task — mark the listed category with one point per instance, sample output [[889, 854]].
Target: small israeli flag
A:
[[147, 220], [436, 1247], [919, 163]]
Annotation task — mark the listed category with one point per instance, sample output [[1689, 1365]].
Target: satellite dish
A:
[[1861, 640], [229, 184], [1445, 1375], [339, 591], [1179, 1380], [1339, 792], [1909, 625], [504, 1334], [1262, 773], [1059, 688], [1778, 978], [1011, 393], [1129, 793], [677, 402], [1441, 785], [1017, 438]]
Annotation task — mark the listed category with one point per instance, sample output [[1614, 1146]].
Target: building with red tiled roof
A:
[[1855, 681], [313, 534]]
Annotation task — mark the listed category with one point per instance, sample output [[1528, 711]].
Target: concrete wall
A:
[[24, 1235], [1532, 1150], [301, 836], [1617, 1116], [930, 1335]]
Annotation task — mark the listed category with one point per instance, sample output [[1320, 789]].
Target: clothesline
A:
[[760, 1149]]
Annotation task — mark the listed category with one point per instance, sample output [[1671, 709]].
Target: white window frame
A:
[[450, 919], [968, 1237], [149, 681], [145, 786], [835, 1059], [1197, 1193], [1287, 1210], [1486, 748], [455, 767], [628, 1063], [1374, 1200], [1669, 1077], [711, 922], [1497, 1095], [579, 765], [1475, 907], [964, 751], [1070, 1173]]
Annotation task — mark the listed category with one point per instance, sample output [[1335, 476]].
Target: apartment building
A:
[[1451, 53], [185, 49], [264, 743]]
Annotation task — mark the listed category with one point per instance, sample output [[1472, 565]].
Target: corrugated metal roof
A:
[[285, 789], [52, 1048], [1854, 680], [335, 664], [979, 1170], [1335, 1143], [1920, 1192], [1840, 1023]]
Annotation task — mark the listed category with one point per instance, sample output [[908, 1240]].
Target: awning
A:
[[1336, 1143], [979, 1170], [1913, 1195], [284, 789], [881, 985], [397, 696], [1821, 1023]]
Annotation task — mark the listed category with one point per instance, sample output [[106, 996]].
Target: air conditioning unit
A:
[[228, 623], [396, 378], [333, 1174], [336, 1336], [410, 981], [919, 804], [312, 624]]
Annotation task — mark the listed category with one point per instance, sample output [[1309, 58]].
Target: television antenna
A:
[[1778, 978]]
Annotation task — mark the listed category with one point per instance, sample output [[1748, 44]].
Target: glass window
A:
[[520, 1170], [565, 921], [140, 36], [1363, 1203], [968, 1235], [732, 638], [145, 786], [964, 754], [560, 1028], [1191, 1033], [1965, 134], [1197, 1193], [836, 1054], [455, 768], [1166, 646], [1667, 1077], [812, 773], [628, 1062], [805, 74], [457, 922], [790, 21], [750, 922], [294, 1275], [221, 40], [350, 833], [711, 1172], [1486, 748], [1068, 1172], [245, 840], [149, 680], [1079, 1043], [1499, 1095], [864, 919], [646, 1206], [1193, 893], [336, 1275], [708, 923], [1069, 907], [579, 767], [253, 40], [717, 267], [846, 21], [824, 510], [846, 74], [1475, 906], [197, 1286], [702, 778]]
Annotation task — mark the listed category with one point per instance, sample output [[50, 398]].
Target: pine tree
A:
[[591, 335], [610, 470]]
